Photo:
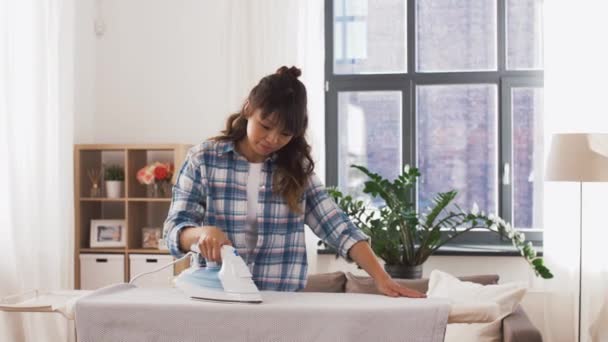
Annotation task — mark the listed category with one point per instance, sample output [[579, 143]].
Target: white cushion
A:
[[474, 312], [473, 303]]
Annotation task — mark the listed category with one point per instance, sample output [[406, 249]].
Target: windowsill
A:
[[482, 250], [463, 250]]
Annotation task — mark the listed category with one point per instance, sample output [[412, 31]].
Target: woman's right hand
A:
[[211, 241]]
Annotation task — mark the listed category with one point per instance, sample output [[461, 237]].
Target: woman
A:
[[254, 187]]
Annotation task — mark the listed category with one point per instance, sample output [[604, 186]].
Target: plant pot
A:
[[404, 271], [114, 189]]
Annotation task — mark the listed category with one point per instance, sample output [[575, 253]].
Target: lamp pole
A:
[[580, 261]]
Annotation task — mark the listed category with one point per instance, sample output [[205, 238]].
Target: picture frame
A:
[[150, 237], [108, 233]]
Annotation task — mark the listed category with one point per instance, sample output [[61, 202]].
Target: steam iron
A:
[[229, 283]]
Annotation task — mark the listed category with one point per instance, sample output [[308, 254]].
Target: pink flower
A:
[[144, 176], [154, 172]]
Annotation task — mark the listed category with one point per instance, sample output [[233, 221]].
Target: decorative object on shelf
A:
[[404, 238], [94, 175], [150, 237], [158, 178], [114, 177], [108, 233], [162, 244]]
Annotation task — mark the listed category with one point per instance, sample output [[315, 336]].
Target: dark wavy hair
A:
[[280, 94]]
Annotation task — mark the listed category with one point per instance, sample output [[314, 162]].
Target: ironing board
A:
[[45, 301], [125, 312]]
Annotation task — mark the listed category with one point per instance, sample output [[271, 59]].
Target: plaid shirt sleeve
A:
[[328, 221], [188, 203]]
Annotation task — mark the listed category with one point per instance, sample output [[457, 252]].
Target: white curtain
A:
[[575, 92], [258, 36], [36, 193]]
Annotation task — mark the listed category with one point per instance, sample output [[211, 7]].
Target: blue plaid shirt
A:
[[211, 189]]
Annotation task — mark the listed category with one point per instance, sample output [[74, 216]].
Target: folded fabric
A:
[[473, 303]]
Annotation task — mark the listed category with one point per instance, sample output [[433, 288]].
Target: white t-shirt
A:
[[251, 227]]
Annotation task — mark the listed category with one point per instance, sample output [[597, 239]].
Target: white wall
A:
[[84, 72], [156, 72], [172, 71]]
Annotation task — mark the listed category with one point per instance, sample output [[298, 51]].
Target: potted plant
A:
[[114, 177], [404, 238]]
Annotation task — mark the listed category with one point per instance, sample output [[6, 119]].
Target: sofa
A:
[[516, 327]]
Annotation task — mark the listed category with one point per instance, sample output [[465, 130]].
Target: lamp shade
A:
[[578, 157]]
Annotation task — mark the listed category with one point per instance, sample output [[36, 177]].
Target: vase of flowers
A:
[[404, 237], [158, 178]]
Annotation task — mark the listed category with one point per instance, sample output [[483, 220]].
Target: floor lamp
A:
[[578, 157]]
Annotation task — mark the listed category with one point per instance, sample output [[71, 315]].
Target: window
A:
[[453, 87], [366, 43], [456, 146], [362, 115], [455, 35]]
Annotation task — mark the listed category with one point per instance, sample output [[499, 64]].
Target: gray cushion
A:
[[359, 284], [325, 282], [517, 327]]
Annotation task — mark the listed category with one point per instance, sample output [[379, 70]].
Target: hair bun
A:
[[293, 71]]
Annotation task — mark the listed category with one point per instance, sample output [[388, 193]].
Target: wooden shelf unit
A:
[[135, 207]]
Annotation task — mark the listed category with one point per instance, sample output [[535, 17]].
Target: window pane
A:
[[353, 7], [527, 108], [338, 42], [455, 35], [369, 36], [369, 135], [356, 47], [457, 144], [524, 34]]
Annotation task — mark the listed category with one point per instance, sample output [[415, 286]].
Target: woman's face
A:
[[265, 136]]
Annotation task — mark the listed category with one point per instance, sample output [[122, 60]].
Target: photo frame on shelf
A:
[[108, 233], [150, 237]]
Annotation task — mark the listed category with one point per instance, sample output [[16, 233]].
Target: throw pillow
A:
[[361, 284], [325, 282], [506, 297]]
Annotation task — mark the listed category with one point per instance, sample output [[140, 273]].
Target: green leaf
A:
[[442, 200], [434, 237], [544, 272]]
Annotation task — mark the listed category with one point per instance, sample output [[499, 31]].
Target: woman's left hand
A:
[[391, 288]]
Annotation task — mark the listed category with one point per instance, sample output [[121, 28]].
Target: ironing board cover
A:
[[125, 312]]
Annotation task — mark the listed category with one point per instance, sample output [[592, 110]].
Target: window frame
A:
[[406, 83]]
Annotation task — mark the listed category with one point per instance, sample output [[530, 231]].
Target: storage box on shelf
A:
[[99, 270], [97, 266], [140, 263]]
